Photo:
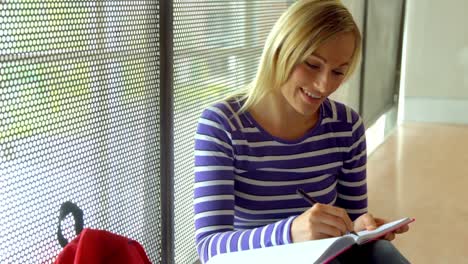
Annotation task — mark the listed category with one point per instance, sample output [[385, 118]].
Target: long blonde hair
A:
[[296, 35]]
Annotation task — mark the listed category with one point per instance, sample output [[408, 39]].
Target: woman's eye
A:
[[338, 73], [312, 66]]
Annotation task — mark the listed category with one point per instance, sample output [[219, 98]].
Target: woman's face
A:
[[320, 75]]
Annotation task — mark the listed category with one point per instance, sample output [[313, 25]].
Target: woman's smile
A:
[[310, 97]]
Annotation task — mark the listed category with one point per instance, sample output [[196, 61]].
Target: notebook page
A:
[[303, 252]]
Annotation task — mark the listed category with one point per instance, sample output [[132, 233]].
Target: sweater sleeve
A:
[[352, 185], [214, 194]]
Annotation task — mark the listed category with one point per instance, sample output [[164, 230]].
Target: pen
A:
[[312, 201]]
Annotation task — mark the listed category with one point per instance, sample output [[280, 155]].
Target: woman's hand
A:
[[320, 221], [369, 222]]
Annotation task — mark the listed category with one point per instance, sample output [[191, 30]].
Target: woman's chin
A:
[[308, 111]]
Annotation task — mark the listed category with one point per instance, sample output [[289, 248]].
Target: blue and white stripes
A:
[[246, 179]]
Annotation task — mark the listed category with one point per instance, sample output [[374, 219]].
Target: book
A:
[[314, 251]]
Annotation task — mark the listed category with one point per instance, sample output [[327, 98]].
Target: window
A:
[[217, 46], [79, 121]]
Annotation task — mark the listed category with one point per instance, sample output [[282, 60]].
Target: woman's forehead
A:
[[337, 50]]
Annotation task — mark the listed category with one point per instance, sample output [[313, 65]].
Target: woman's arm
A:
[[352, 188], [352, 185], [214, 194]]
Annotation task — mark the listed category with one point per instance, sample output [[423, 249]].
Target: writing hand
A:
[[320, 221]]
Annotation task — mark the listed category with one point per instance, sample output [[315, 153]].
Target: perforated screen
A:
[[217, 45], [78, 121]]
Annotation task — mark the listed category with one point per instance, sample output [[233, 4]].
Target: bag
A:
[[93, 246]]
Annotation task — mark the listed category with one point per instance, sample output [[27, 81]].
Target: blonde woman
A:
[[256, 148]]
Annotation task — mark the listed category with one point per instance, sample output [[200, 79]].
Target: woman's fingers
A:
[[338, 217], [320, 221], [325, 231], [369, 222], [379, 221], [390, 236], [333, 222], [402, 229]]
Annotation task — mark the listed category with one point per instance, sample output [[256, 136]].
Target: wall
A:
[[436, 63], [349, 92]]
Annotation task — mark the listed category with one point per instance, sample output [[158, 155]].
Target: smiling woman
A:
[[309, 84], [295, 104], [257, 147]]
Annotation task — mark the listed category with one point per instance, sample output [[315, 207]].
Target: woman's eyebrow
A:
[[323, 60]]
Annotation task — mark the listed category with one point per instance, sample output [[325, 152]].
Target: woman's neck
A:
[[276, 116]]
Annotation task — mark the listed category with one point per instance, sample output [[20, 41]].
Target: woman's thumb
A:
[[370, 223]]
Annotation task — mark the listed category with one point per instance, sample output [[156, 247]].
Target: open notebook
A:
[[315, 251]]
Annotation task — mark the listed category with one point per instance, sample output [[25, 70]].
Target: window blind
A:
[[381, 76], [79, 122], [217, 46]]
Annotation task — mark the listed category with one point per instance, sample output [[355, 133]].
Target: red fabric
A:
[[99, 247]]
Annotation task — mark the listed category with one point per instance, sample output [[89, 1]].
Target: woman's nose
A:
[[321, 81]]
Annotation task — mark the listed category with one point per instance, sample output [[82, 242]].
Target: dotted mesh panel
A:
[[217, 45], [78, 121]]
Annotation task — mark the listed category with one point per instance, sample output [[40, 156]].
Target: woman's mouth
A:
[[309, 94]]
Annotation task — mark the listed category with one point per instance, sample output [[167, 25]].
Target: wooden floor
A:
[[421, 171]]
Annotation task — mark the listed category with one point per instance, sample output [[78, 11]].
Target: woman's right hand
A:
[[320, 221]]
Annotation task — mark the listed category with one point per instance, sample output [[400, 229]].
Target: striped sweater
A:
[[246, 179]]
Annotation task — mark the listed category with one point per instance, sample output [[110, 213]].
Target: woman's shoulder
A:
[[226, 107], [224, 111], [334, 111]]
